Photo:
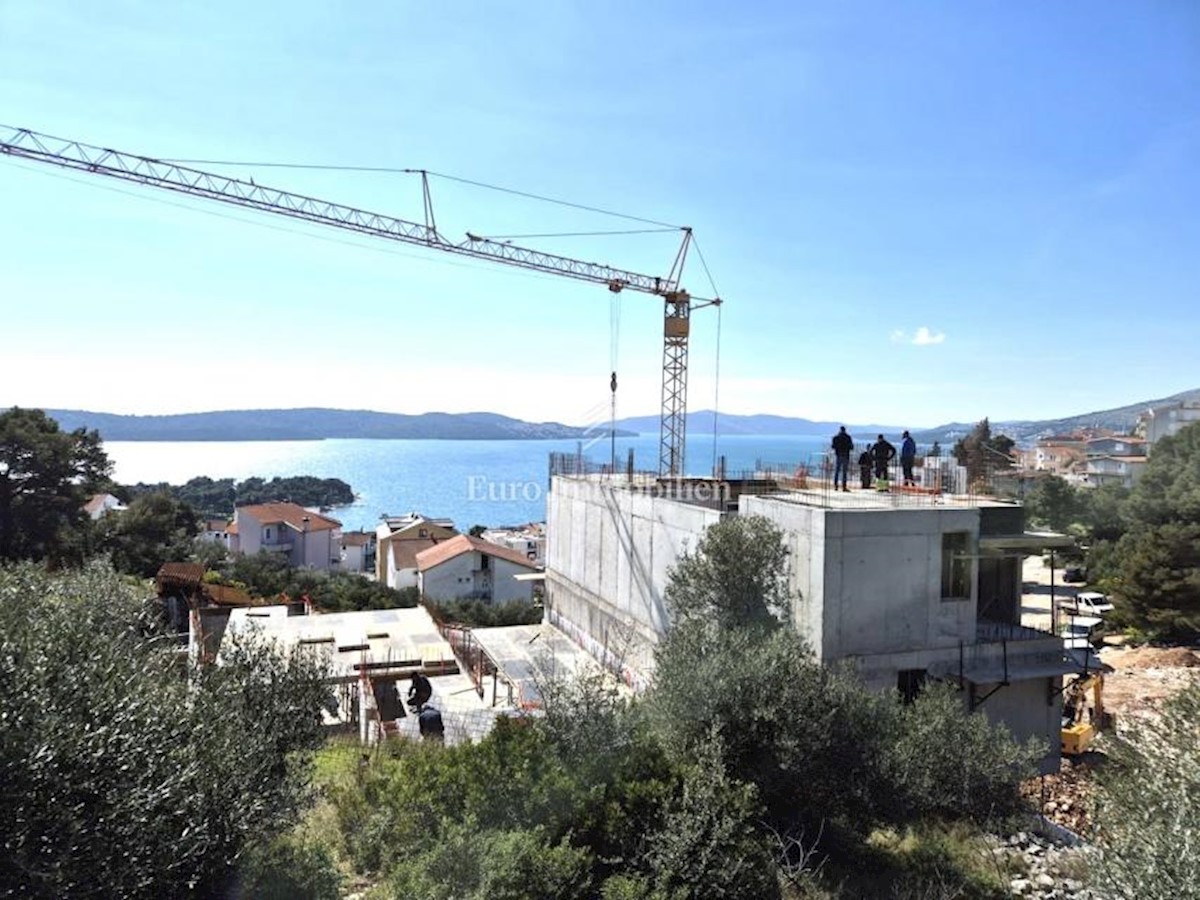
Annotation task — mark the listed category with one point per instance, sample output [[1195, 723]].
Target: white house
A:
[[529, 540], [398, 541], [101, 504], [1122, 470], [217, 531], [1116, 445], [307, 538], [469, 568], [1164, 421], [358, 551]]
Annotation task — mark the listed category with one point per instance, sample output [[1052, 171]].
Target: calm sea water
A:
[[484, 482]]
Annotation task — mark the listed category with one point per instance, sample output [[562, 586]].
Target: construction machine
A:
[[1081, 721]]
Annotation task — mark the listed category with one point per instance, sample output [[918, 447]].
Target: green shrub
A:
[[478, 614], [120, 776], [710, 846], [939, 760], [1148, 804], [290, 869]]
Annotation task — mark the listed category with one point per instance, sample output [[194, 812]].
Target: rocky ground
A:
[[1037, 867], [1143, 678]]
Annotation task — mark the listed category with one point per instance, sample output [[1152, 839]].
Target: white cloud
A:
[[924, 336]]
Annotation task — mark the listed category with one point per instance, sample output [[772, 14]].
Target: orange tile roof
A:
[[357, 538], [464, 543], [290, 514]]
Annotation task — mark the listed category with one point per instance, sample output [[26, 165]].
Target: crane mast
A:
[[678, 303]]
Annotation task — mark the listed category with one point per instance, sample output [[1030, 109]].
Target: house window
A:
[[956, 565], [266, 534], [483, 562], [909, 683]]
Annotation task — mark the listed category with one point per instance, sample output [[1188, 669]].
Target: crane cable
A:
[[397, 170], [614, 325], [717, 364]]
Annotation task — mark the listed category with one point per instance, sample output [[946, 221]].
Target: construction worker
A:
[[908, 456], [864, 467], [429, 722], [843, 446], [883, 453], [419, 691]]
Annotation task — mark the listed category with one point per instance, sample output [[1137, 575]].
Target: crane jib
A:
[[30, 145]]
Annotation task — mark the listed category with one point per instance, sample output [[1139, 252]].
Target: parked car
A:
[[1075, 575], [1087, 603]]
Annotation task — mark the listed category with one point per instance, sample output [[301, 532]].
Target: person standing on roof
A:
[[883, 452], [843, 446], [908, 456]]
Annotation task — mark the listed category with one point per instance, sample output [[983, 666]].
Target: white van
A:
[[1087, 603]]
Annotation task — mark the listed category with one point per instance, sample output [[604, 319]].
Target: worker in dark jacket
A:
[[429, 722], [865, 462], [419, 691], [883, 453], [843, 446]]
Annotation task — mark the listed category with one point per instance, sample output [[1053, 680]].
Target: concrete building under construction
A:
[[910, 586]]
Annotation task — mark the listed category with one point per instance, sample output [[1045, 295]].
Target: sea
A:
[[490, 483]]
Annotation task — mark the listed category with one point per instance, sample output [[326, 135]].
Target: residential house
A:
[[1167, 420], [308, 539], [1059, 454], [527, 539], [1122, 470], [100, 505], [358, 551], [1116, 445], [398, 541], [470, 568], [910, 587], [217, 531]]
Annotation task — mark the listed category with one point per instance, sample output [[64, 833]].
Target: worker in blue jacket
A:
[[908, 456]]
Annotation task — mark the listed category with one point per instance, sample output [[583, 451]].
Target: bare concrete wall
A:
[[869, 581], [608, 554]]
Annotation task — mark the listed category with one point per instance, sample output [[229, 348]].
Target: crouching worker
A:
[[429, 721], [419, 691]]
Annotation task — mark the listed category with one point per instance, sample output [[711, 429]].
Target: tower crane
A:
[[167, 175]]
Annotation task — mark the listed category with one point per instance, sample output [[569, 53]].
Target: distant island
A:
[[217, 498], [318, 424], [314, 424]]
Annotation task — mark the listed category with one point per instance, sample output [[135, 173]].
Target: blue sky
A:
[[915, 213]]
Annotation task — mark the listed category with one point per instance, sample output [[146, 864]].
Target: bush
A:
[[709, 846], [478, 614], [121, 778], [290, 869], [804, 734], [269, 575], [941, 761], [1148, 804]]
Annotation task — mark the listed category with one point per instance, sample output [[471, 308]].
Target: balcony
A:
[[276, 546], [988, 632]]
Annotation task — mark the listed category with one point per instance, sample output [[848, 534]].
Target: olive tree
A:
[[121, 776]]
